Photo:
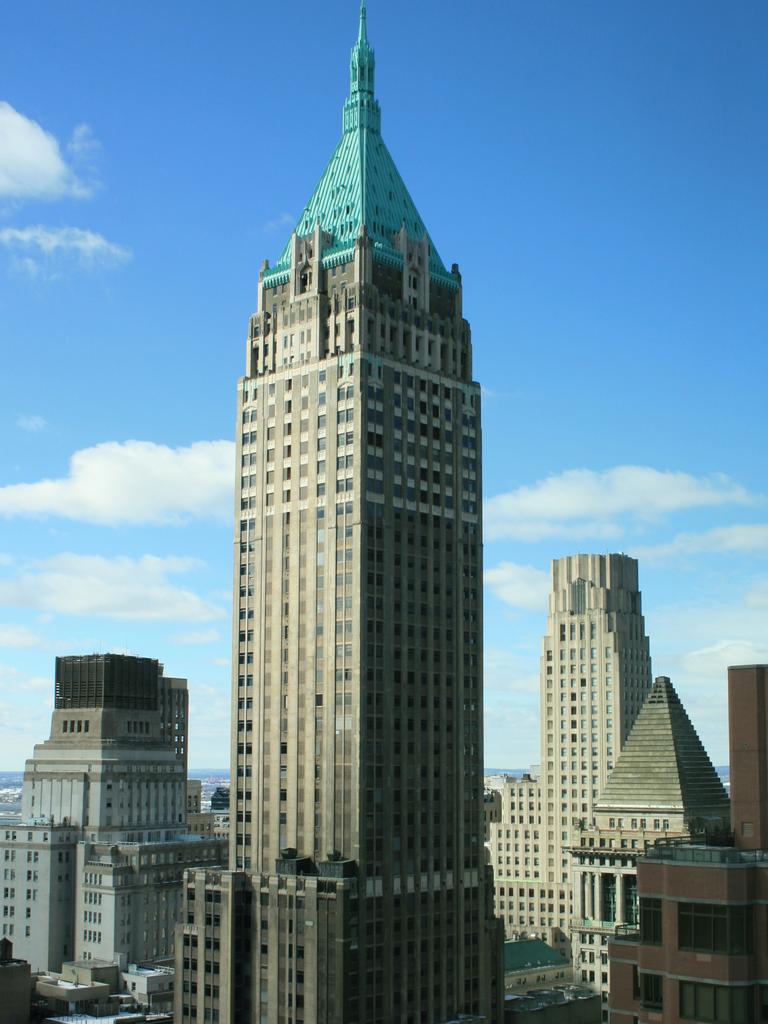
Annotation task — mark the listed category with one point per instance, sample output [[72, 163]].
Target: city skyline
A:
[[620, 222]]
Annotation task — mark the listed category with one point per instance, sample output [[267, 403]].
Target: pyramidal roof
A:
[[361, 187], [664, 764]]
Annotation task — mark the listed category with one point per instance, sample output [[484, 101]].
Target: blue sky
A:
[[597, 169]]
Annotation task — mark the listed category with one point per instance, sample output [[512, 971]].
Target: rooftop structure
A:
[[664, 768], [699, 952], [361, 189], [662, 787]]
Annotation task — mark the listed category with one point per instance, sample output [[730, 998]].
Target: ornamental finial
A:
[[362, 35]]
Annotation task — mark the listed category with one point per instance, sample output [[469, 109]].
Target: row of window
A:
[[701, 927], [705, 1002]]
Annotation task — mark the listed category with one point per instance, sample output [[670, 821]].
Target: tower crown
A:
[[362, 65], [361, 188]]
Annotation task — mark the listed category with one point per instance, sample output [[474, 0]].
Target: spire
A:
[[361, 188], [362, 65]]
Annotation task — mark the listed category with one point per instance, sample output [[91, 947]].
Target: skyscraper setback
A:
[[595, 675], [357, 889]]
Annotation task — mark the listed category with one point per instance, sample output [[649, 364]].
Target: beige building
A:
[[359, 890], [663, 787], [194, 796], [93, 871], [595, 674]]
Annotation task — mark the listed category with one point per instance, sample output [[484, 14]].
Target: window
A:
[[715, 1003], [650, 921], [651, 991], [710, 928]]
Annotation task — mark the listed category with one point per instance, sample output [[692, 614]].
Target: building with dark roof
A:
[[531, 963]]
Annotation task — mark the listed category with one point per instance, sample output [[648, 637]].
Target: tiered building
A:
[[359, 890], [663, 787], [595, 675], [93, 870], [699, 950]]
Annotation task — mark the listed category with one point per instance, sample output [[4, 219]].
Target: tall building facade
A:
[[595, 675], [359, 890], [93, 871]]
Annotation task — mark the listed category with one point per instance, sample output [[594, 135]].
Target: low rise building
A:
[[568, 1005], [531, 963], [151, 986]]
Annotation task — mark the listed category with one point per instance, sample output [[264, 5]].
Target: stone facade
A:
[[595, 674], [93, 871], [360, 891]]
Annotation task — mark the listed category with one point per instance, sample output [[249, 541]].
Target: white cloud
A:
[[11, 680], [19, 636], [712, 662], [115, 588], [748, 538], [591, 503], [31, 162], [40, 246], [83, 145], [32, 424], [521, 586], [200, 637], [133, 482]]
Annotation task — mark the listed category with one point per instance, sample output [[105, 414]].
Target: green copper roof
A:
[[529, 954], [664, 765], [361, 187]]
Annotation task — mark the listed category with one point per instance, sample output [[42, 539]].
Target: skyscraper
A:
[[358, 890], [93, 870], [595, 675]]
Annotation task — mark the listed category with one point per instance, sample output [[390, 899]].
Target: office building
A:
[[700, 951], [359, 890], [663, 787], [595, 675], [93, 870]]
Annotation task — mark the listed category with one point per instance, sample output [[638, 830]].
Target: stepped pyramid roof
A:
[[361, 188], [664, 765]]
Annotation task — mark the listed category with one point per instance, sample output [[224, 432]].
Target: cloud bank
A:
[[590, 503], [133, 482], [113, 588]]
